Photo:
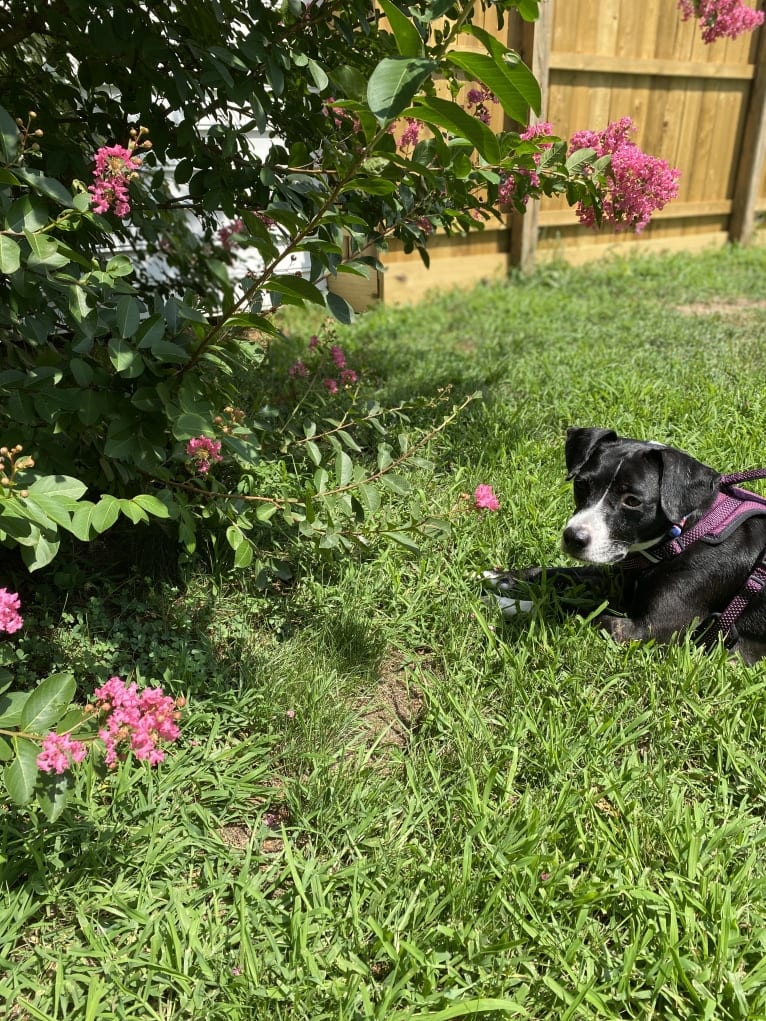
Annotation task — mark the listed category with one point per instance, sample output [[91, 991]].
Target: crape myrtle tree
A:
[[124, 136]]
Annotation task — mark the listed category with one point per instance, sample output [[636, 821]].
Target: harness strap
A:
[[730, 508], [723, 623]]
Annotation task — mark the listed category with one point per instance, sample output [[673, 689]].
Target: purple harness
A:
[[730, 508]]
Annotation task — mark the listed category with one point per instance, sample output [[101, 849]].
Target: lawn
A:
[[387, 804]]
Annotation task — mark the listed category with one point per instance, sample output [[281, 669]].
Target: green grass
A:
[[461, 819]]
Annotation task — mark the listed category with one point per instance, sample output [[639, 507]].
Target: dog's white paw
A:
[[508, 606], [498, 580]]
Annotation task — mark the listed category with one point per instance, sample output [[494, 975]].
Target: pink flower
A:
[[484, 498], [227, 232], [115, 167], [411, 134], [313, 342], [479, 98], [10, 619], [297, 369], [58, 752], [721, 18], [639, 184], [508, 183], [337, 355], [348, 377], [330, 385], [290, 714], [135, 721], [203, 452]]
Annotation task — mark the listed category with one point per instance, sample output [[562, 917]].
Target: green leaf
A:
[[6, 750], [296, 287], [344, 468], [58, 485], [150, 331], [243, 556], [453, 118], [133, 512], [47, 186], [265, 512], [234, 537], [402, 539], [152, 505], [47, 703], [10, 255], [105, 513], [397, 484], [52, 793], [318, 74], [9, 137], [394, 83], [21, 775], [408, 40], [11, 706], [124, 358], [508, 78], [188, 425], [339, 308], [128, 314], [119, 266], [82, 372], [51, 509], [39, 553], [578, 157], [45, 251]]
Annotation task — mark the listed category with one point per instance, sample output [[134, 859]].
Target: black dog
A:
[[668, 541]]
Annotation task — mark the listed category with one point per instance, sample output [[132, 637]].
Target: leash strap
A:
[[750, 475]]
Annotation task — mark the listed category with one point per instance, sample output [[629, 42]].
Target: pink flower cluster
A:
[[639, 184], [411, 135], [479, 98], [345, 376], [203, 451], [227, 232], [136, 721], [508, 183], [484, 498], [58, 753], [115, 166], [10, 618], [721, 18]]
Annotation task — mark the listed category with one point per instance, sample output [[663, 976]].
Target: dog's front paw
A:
[[509, 583], [505, 589]]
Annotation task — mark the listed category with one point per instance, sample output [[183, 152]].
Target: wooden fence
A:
[[702, 108]]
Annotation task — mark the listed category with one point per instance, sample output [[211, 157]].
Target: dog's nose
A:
[[576, 538]]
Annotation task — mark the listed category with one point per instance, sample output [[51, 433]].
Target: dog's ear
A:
[[686, 484], [580, 444]]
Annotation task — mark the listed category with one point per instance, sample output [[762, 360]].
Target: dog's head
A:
[[629, 494]]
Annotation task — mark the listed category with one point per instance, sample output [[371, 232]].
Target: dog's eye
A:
[[631, 500]]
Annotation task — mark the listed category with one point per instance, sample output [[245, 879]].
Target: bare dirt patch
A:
[[737, 307], [395, 708]]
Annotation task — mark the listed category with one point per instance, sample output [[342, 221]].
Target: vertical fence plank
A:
[[535, 52], [752, 153]]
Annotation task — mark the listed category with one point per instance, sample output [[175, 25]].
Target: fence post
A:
[[752, 152], [535, 50]]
